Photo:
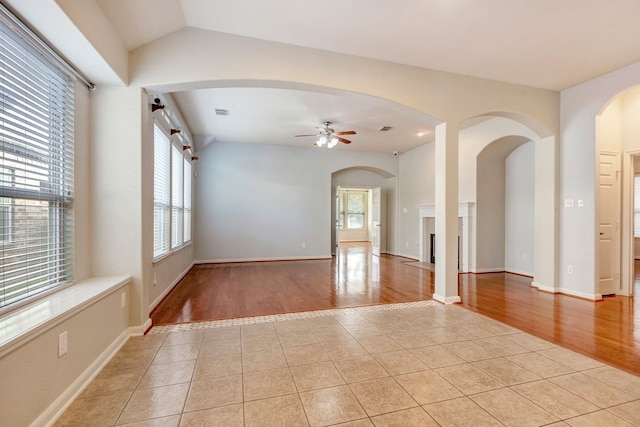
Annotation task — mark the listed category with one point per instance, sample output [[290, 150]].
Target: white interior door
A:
[[339, 219], [609, 227], [375, 221]]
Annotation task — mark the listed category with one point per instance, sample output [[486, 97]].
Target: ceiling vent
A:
[[221, 112], [385, 129]]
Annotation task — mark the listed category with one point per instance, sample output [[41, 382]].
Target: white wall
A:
[[258, 201], [519, 209]]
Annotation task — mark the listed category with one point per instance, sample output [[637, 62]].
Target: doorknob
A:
[[602, 233]]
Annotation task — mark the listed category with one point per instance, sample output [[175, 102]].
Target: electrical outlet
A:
[[407, 244], [581, 203], [404, 210], [525, 256], [63, 344], [155, 282], [568, 203], [570, 269], [304, 245], [123, 300]]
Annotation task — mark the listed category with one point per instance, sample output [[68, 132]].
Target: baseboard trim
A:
[[520, 273], [167, 291], [447, 300], [487, 270], [57, 408], [267, 259], [567, 292], [407, 256]]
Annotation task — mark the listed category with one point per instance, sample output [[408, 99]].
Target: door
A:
[[609, 226], [339, 218], [375, 221]]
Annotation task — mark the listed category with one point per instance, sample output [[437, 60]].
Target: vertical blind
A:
[[172, 195], [36, 171]]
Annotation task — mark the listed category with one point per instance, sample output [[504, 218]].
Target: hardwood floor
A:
[[607, 330]]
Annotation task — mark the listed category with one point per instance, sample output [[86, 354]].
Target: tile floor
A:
[[400, 365]]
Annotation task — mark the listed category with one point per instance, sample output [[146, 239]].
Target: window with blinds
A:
[[172, 195], [636, 206], [36, 171]]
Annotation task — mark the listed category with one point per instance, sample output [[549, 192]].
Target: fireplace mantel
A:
[[465, 211]]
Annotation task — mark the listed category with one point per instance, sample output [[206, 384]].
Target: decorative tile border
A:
[[287, 316]]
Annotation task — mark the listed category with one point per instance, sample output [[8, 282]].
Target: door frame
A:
[[627, 264]]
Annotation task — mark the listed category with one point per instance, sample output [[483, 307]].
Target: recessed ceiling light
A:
[[384, 129], [422, 133]]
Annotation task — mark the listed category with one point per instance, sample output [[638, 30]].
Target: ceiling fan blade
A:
[[346, 132], [308, 135], [346, 141]]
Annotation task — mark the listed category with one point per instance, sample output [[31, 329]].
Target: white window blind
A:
[[36, 171], [177, 197], [187, 201], [636, 206], [161, 192]]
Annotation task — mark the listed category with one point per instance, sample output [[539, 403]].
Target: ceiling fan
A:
[[329, 136]]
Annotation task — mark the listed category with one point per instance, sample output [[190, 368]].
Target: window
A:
[[36, 171], [171, 195], [353, 205], [636, 206]]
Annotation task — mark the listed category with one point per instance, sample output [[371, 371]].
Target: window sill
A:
[[21, 325], [173, 251]]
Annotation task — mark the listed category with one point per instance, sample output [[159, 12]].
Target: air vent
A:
[[221, 112], [385, 129]]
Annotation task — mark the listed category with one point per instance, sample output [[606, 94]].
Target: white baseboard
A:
[[173, 284], [57, 408], [520, 272], [288, 258], [413, 257], [446, 300], [487, 270], [563, 291]]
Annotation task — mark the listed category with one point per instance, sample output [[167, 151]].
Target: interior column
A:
[[446, 274]]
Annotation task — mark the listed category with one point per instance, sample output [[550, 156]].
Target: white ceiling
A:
[[552, 44]]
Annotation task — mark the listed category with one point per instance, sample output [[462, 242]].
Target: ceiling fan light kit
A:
[[329, 137]]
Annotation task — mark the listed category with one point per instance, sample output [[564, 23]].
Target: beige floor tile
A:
[[365, 422], [315, 376], [295, 338], [441, 335], [263, 384], [220, 366], [304, 354], [260, 343], [360, 369], [350, 319], [360, 330], [472, 331], [412, 339], [395, 327], [571, 359], [512, 409], [144, 341], [414, 417], [291, 325], [263, 360], [223, 416], [540, 365], [322, 322], [436, 356], [167, 374], [590, 389], [621, 380], [223, 333], [598, 419], [382, 396], [379, 344], [134, 359], [505, 371], [337, 350], [427, 387], [470, 351], [332, 334], [154, 402], [501, 346], [258, 329], [461, 412], [497, 328], [184, 337], [555, 399], [530, 342], [469, 379], [113, 381], [177, 353], [214, 392], [628, 411], [280, 411], [170, 421], [330, 406], [399, 362], [220, 347], [101, 410]]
